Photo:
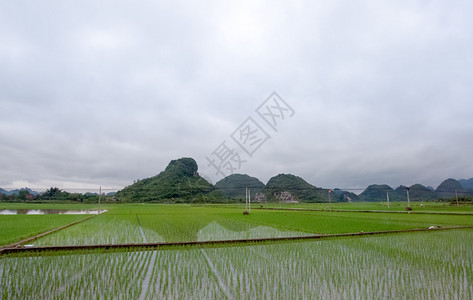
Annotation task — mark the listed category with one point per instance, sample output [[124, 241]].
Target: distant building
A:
[[259, 197], [285, 197]]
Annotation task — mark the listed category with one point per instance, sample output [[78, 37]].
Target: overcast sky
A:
[[106, 92]]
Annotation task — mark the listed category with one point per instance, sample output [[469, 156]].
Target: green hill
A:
[[288, 188], [180, 181], [400, 194], [233, 186], [345, 196], [418, 192], [377, 192], [449, 187], [467, 184]]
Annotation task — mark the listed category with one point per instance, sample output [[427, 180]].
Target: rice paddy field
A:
[[412, 265]]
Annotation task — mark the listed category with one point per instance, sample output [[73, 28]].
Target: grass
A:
[[18, 227]]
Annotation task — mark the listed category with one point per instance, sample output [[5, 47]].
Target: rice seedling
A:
[[415, 265], [102, 229], [183, 274], [421, 265], [73, 276], [436, 264], [18, 227], [214, 232]]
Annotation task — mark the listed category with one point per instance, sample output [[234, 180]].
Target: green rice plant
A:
[[18, 227], [421, 265], [416, 265], [176, 223], [183, 274], [73, 276], [214, 231], [435, 264], [103, 229], [399, 206]]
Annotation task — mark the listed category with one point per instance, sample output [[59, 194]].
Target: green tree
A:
[[53, 193]]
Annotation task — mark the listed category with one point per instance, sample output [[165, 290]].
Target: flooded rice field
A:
[[50, 212], [428, 265]]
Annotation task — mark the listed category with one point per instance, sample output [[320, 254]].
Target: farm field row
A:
[[125, 229], [175, 223], [378, 206], [394, 206], [18, 227], [416, 265]]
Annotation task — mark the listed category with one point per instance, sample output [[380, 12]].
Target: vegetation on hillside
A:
[[450, 188], [233, 186], [299, 189], [180, 181], [53, 194], [378, 192]]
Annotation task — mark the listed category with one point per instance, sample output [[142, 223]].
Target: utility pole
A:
[[100, 196], [387, 197], [408, 200], [456, 196], [329, 192], [249, 200], [246, 198]]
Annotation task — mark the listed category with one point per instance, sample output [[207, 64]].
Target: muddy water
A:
[[49, 212]]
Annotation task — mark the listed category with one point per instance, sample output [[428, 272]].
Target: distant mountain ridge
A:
[[234, 186], [418, 192], [378, 192], [449, 188], [467, 184], [17, 191], [181, 182]]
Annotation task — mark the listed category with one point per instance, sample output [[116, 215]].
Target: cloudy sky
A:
[[106, 92]]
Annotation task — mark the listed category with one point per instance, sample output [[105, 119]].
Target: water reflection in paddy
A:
[[214, 231], [50, 212]]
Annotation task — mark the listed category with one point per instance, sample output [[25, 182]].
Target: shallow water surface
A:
[[50, 212]]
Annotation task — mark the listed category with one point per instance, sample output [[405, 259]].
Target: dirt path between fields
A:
[[241, 242]]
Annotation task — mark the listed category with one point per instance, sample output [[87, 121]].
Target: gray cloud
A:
[[108, 92]]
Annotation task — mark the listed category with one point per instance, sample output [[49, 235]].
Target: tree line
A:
[[53, 194]]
